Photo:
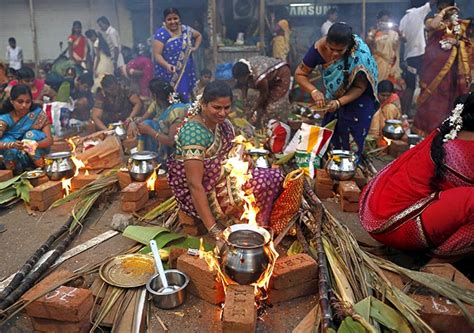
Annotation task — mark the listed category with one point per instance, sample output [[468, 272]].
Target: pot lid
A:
[[257, 151], [144, 156], [341, 152], [59, 154], [393, 121]]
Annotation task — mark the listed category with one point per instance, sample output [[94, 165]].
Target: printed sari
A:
[[162, 122], [176, 52], [78, 45], [195, 141], [29, 127], [442, 79], [354, 118], [398, 207]]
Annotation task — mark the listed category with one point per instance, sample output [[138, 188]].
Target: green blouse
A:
[[194, 139]]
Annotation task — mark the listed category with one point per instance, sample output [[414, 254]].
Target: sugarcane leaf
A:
[[295, 248], [7, 195], [384, 314], [363, 308], [9, 182], [285, 159], [349, 325], [331, 125], [142, 234]]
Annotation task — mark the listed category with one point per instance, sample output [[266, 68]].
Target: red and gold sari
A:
[[443, 77], [398, 208], [79, 47]]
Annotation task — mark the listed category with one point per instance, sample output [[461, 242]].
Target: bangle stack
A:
[[338, 102]]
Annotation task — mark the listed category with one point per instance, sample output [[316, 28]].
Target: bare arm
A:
[[302, 77], [197, 39], [264, 94], [160, 137], [48, 141], [137, 105], [194, 170], [96, 115]]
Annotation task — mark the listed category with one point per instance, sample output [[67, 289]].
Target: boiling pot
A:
[[244, 255], [259, 157], [141, 165], [341, 164], [119, 130], [393, 129], [59, 165]]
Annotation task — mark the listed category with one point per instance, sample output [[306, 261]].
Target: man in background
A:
[[412, 27], [331, 19], [14, 54], [113, 40]]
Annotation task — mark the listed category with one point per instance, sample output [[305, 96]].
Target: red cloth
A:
[[438, 105], [79, 47], [144, 64], [399, 209]]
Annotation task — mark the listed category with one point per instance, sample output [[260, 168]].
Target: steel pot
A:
[[259, 157], [178, 281], [393, 129], [341, 165], [141, 165], [119, 130], [244, 257], [413, 139], [59, 165]]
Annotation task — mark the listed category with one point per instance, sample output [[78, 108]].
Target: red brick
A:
[[124, 179], [55, 326], [350, 207], [42, 206], [129, 144], [302, 289], [5, 175], [51, 280], [63, 304], [175, 253], [198, 271], [360, 179], [80, 181], [349, 190], [240, 311], [133, 206], [134, 191], [211, 296], [59, 146], [395, 279], [44, 191], [292, 270], [322, 177], [324, 194], [185, 219]]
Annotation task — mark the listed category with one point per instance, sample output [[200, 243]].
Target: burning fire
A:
[[389, 141], [150, 183], [66, 183]]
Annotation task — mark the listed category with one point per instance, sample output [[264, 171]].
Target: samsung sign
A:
[[307, 10]]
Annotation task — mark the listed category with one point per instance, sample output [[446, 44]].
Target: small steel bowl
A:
[[171, 299], [413, 139]]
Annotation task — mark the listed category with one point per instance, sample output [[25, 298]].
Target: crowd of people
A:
[[367, 80]]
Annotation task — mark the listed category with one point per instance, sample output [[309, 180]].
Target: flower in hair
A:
[[455, 123], [173, 98], [246, 63]]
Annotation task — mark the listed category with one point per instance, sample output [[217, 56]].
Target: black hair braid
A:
[[346, 73], [438, 155]]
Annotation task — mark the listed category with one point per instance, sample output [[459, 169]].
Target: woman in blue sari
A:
[[25, 131], [172, 51], [166, 113], [350, 78]]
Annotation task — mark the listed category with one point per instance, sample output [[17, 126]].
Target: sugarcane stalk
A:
[[32, 277], [31, 262]]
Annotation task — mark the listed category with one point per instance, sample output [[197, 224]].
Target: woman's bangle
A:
[[314, 91], [338, 102]]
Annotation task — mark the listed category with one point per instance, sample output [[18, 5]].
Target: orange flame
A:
[[150, 183], [389, 141], [66, 183]]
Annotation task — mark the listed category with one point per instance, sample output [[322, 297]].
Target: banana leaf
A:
[[7, 195], [7, 183], [372, 308], [23, 189], [143, 234], [285, 159], [349, 325]]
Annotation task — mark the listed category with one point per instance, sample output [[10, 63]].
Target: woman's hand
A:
[[333, 106], [17, 145], [318, 97], [193, 49], [448, 9], [171, 68]]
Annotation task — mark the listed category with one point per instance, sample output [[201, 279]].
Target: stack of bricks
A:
[[5, 175], [324, 184], [134, 197], [124, 178], [397, 147], [203, 282], [162, 188], [64, 309], [349, 194], [240, 311], [191, 225], [293, 276], [42, 196], [80, 181]]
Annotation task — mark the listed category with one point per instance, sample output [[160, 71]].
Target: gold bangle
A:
[[314, 91]]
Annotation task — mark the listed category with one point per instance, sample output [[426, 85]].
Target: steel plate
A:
[[128, 271]]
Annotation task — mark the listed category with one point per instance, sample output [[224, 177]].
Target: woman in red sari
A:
[[445, 73], [424, 200], [77, 45]]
